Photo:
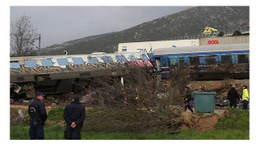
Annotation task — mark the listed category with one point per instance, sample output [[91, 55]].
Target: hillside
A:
[[71, 43], [187, 23]]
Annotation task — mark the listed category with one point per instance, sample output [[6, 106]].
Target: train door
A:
[[164, 67]]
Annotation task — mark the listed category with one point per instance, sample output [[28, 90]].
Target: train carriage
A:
[[60, 73], [199, 57]]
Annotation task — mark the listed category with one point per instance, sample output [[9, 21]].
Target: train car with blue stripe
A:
[[199, 56]]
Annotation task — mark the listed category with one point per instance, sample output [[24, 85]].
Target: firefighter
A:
[[74, 115], [38, 116], [233, 97], [245, 97]]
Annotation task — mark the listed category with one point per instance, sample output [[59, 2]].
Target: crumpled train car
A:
[[60, 73]]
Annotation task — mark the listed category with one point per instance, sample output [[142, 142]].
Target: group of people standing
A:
[[234, 97], [74, 115]]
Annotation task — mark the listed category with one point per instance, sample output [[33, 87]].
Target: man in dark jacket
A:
[[74, 115], [187, 99], [233, 97], [38, 116]]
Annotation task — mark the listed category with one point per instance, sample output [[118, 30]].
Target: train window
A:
[[30, 63], [63, 61], [93, 60], [163, 62], [226, 59], [181, 61], [14, 65], [144, 57], [170, 62], [107, 59], [132, 58], [243, 58], [121, 58], [46, 62], [210, 60], [78, 61], [195, 60]]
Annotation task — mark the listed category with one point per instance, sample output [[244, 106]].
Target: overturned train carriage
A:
[[62, 73]]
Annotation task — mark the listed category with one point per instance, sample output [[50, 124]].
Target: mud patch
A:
[[202, 122]]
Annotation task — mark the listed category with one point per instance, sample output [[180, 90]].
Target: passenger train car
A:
[[60, 73], [199, 57]]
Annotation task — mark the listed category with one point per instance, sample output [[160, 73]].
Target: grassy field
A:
[[234, 125], [56, 132]]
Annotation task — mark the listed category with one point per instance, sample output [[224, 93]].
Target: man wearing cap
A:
[[74, 115], [38, 116]]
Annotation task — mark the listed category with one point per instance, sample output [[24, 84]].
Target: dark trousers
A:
[[36, 131], [233, 103], [188, 106], [73, 133], [245, 104]]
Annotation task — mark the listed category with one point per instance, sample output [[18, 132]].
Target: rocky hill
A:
[[186, 24]]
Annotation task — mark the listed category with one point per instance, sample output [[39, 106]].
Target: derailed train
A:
[[60, 73]]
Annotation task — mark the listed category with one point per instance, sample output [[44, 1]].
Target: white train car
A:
[[149, 46], [60, 73]]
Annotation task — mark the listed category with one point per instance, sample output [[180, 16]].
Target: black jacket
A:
[[233, 95], [37, 111], [74, 112], [187, 97]]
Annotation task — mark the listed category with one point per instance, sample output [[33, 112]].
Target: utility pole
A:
[[39, 41], [39, 46]]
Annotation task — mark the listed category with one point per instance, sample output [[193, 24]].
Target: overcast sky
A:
[[60, 24]]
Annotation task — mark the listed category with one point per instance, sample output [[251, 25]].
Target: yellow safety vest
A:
[[245, 95]]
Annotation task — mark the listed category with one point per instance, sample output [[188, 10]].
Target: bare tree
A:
[[23, 35]]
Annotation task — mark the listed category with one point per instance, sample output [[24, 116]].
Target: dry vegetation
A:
[[143, 104]]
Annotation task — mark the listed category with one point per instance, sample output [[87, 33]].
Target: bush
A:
[[237, 33], [221, 33], [129, 120]]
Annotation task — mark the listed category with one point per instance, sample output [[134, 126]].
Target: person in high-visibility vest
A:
[[245, 97]]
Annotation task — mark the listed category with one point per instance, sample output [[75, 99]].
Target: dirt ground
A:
[[25, 107], [203, 122]]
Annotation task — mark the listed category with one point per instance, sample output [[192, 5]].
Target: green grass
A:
[[234, 125], [56, 114], [234, 119], [56, 132]]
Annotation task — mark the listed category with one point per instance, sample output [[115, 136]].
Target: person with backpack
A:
[[38, 116]]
